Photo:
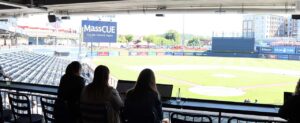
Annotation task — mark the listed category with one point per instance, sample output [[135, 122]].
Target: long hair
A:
[[146, 82], [297, 90], [101, 76], [73, 67], [1, 71]]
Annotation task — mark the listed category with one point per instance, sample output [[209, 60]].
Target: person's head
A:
[[146, 81], [297, 90], [73, 68], [101, 76]]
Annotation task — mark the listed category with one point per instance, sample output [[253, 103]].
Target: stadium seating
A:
[[29, 67]]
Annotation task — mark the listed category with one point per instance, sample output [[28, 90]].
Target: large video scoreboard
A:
[[233, 44]]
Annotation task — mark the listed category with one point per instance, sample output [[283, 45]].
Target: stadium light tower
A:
[[183, 38]]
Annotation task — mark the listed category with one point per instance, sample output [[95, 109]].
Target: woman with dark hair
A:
[[66, 108], [291, 108], [99, 91], [142, 103]]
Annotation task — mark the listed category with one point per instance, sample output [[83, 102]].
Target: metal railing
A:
[[34, 95], [35, 92]]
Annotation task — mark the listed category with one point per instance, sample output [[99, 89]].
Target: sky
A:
[[146, 24]]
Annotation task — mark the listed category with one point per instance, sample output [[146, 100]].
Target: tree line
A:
[[171, 37]]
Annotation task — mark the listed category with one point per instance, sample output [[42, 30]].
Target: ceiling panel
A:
[[86, 6], [169, 4]]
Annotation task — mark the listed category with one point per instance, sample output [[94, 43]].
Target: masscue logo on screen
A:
[[99, 31]]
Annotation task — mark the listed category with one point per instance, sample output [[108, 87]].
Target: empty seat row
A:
[[29, 67]]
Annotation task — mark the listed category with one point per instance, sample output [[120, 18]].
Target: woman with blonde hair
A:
[[66, 109]]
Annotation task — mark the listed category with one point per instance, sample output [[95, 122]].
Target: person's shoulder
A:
[[130, 92], [113, 90], [293, 101], [296, 98], [79, 79], [64, 76]]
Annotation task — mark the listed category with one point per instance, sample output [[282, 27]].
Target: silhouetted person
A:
[[3, 76], [99, 91], [143, 101], [291, 108], [67, 104]]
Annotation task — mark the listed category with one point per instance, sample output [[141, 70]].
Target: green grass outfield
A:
[[261, 79]]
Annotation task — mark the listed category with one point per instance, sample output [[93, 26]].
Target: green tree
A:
[[129, 38], [150, 38], [157, 39], [121, 39], [173, 35], [195, 41]]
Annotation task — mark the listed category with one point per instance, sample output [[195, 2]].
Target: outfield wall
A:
[[279, 52], [153, 53], [267, 53]]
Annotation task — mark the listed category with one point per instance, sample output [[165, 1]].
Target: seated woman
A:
[[99, 91], [142, 103], [291, 109], [66, 109]]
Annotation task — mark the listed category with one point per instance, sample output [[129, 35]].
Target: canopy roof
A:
[[17, 7]]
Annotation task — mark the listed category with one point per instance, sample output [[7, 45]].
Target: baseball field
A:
[[213, 78]]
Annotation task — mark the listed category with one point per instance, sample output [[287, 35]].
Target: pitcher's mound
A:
[[216, 91]]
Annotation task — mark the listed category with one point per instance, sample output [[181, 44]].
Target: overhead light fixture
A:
[[51, 17], [66, 17], [296, 17], [159, 15]]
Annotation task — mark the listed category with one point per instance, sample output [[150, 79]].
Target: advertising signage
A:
[[99, 31], [266, 49], [284, 50]]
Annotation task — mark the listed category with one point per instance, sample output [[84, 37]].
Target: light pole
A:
[[183, 38]]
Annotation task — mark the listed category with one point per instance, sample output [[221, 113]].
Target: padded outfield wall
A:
[[280, 52]]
